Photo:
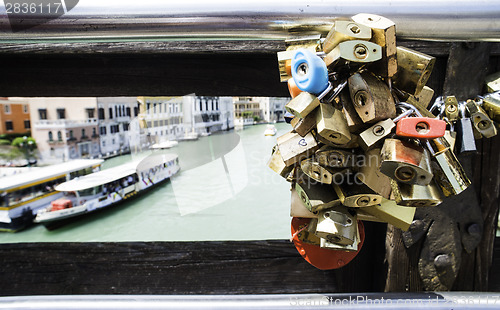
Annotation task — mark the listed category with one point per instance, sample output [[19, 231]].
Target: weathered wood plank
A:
[[246, 267]]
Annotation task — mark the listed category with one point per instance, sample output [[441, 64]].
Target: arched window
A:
[[59, 136], [51, 138]]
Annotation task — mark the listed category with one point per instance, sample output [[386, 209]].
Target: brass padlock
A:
[[317, 196], [493, 82], [422, 101], [414, 70], [406, 162], [331, 124], [376, 133], [416, 195], [325, 244], [337, 225], [356, 195], [354, 122], [451, 108], [303, 126], [353, 143], [307, 235], [298, 208], [372, 98], [345, 30], [491, 104], [354, 51], [448, 171], [303, 104], [371, 176], [277, 164], [383, 34], [317, 172], [389, 212], [294, 148], [481, 121], [335, 158]]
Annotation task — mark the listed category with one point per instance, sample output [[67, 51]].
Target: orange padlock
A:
[[421, 127], [292, 88], [320, 258]]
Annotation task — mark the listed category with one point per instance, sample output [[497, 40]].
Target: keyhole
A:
[[422, 128], [363, 201], [405, 174], [378, 130], [361, 98], [302, 69]]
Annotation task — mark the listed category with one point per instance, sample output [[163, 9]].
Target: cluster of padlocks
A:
[[364, 144]]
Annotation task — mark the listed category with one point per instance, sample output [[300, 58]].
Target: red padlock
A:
[[293, 89], [320, 258], [420, 127]]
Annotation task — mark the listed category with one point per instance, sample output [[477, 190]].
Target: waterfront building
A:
[[14, 116], [212, 114], [246, 111], [114, 119], [273, 108], [65, 128]]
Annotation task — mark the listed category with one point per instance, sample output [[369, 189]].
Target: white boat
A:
[[189, 136], [164, 145], [108, 187], [23, 195], [270, 130]]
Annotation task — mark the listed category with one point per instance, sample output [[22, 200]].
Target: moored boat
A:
[[270, 130], [164, 145], [108, 187], [23, 195]]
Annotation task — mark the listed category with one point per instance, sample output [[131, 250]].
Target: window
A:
[[102, 130], [51, 138], [9, 125], [128, 111], [201, 107], [148, 107], [7, 108], [136, 111], [126, 126], [90, 113], [154, 108], [101, 113], [25, 108], [61, 113], [94, 132], [59, 136], [71, 134], [116, 111], [27, 124], [42, 113], [110, 112]]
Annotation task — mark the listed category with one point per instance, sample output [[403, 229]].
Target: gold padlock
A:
[[451, 108], [383, 34], [416, 195], [294, 148], [303, 104], [389, 212], [303, 126], [493, 82], [491, 104], [356, 195], [298, 208], [317, 196], [277, 164], [328, 156], [353, 143], [331, 124], [307, 235], [372, 98], [481, 121], [371, 176], [376, 133], [317, 172], [354, 51], [354, 122], [345, 30], [337, 225], [325, 244], [422, 101], [405, 162], [448, 171], [414, 70]]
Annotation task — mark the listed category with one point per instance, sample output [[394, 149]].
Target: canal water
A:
[[224, 191]]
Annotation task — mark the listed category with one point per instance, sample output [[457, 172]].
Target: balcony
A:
[[64, 123]]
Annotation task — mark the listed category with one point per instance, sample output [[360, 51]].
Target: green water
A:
[[224, 191]]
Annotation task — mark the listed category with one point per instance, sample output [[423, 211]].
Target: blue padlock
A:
[[309, 72]]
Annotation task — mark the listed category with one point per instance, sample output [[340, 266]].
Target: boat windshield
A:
[[90, 191]]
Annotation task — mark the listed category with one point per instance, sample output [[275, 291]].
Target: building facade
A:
[[212, 114], [273, 108], [65, 128], [246, 111], [14, 116], [114, 119]]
